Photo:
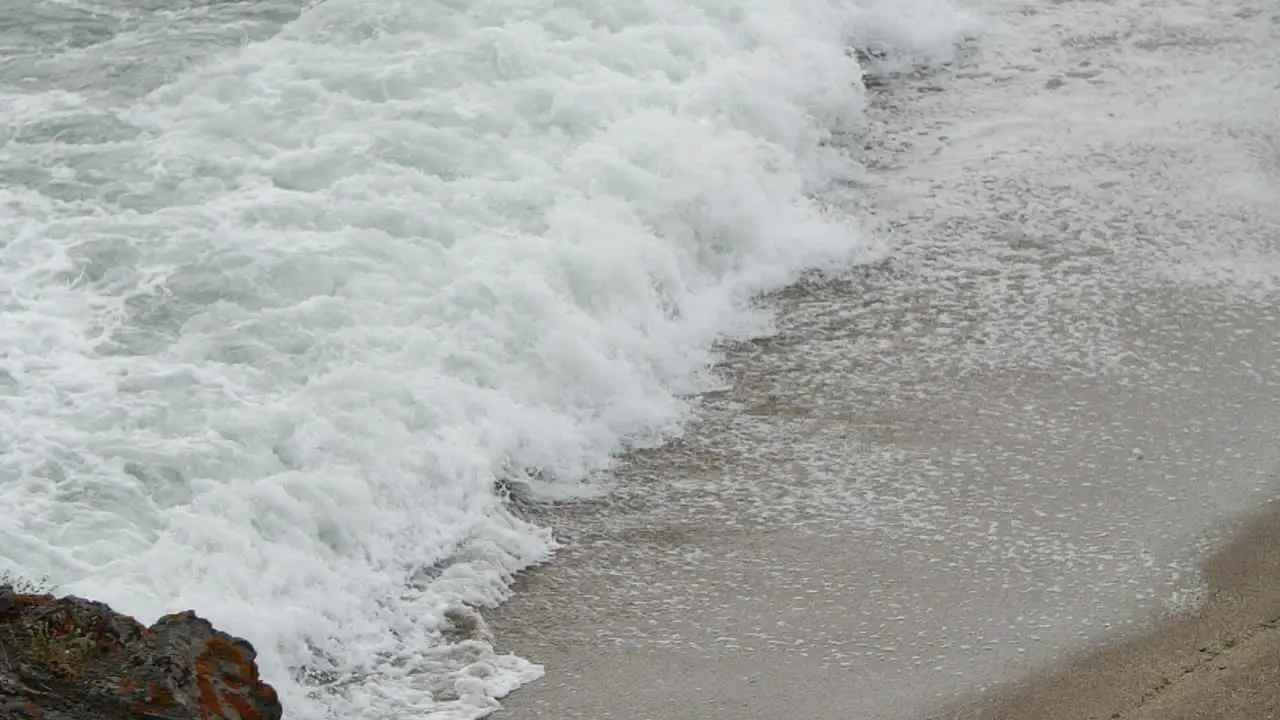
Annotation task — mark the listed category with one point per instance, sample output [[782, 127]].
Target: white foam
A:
[[272, 331]]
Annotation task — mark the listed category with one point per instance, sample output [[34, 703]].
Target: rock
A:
[[75, 659]]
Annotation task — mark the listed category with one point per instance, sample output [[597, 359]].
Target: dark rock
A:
[[75, 659]]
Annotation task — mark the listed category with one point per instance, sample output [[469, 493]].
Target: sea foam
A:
[[274, 327]]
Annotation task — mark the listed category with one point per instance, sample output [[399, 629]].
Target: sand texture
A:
[[1220, 662]]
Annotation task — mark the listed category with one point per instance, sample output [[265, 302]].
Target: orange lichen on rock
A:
[[210, 699], [225, 650], [82, 660], [224, 672]]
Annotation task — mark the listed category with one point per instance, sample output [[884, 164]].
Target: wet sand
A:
[[726, 594], [1219, 662], [1017, 439]]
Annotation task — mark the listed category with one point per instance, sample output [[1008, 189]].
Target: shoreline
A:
[[1002, 449], [1220, 661], [676, 598]]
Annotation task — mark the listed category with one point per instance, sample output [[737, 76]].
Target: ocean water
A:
[[292, 294]]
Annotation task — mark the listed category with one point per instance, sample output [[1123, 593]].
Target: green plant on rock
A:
[[23, 586], [61, 653]]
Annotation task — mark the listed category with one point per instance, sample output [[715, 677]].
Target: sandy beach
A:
[[950, 477]]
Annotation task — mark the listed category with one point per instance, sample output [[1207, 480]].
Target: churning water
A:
[[289, 292]]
